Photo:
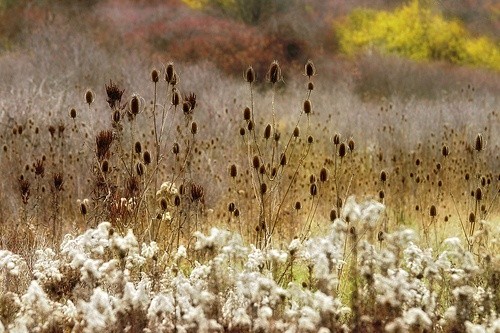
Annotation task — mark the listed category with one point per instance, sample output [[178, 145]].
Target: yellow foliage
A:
[[416, 32]]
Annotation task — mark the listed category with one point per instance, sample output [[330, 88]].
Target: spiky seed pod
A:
[[274, 172], [445, 151], [310, 86], [117, 116], [296, 132], [323, 175], [433, 211], [339, 202], [83, 208], [297, 205], [236, 212], [139, 168], [277, 136], [336, 139], [52, 130], [467, 176], [307, 106], [310, 69], [267, 132], [381, 194], [58, 181], [333, 215], [381, 236], [182, 189], [479, 142], [472, 217], [197, 193], [89, 97], [383, 176], [342, 150], [114, 94], [105, 166], [39, 168], [313, 189], [479, 194], [155, 76], [177, 201], [175, 79], [24, 186], [176, 97], [163, 204], [283, 160], [146, 157], [262, 169], [256, 162], [135, 105], [242, 131], [250, 75], [250, 126], [169, 72], [194, 128], [247, 114], [350, 144], [176, 148], [191, 98], [72, 113], [310, 139], [233, 171], [263, 188], [274, 73], [231, 207], [312, 179], [103, 143], [186, 107], [138, 147]]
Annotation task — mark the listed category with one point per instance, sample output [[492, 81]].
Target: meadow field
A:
[[284, 176]]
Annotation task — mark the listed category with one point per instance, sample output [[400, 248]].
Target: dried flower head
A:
[[479, 142], [250, 75], [191, 98], [103, 142], [58, 181], [267, 132], [307, 107], [89, 97], [135, 105], [155, 76], [176, 97], [233, 171], [114, 94], [169, 72], [274, 73], [24, 187], [146, 157], [39, 168], [310, 69], [72, 113]]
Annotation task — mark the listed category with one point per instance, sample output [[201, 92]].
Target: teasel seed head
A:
[[83, 208], [250, 126], [274, 172], [381, 236], [313, 189], [323, 175], [479, 194], [146, 157], [72, 113], [351, 145], [274, 73], [236, 212], [233, 171], [177, 201], [383, 176], [139, 168], [250, 75], [117, 116], [163, 204], [310, 69], [267, 132], [138, 147], [310, 86], [283, 160], [342, 150], [89, 97], [231, 207], [333, 215], [242, 131], [297, 205], [262, 169], [307, 106], [186, 107], [24, 186], [445, 151], [176, 97], [58, 181], [312, 179], [39, 168], [103, 143], [310, 139], [433, 211], [472, 217], [135, 105], [263, 188], [277, 136], [336, 139], [169, 72], [105, 166], [175, 148], [247, 114], [479, 142], [256, 162], [296, 132], [381, 194], [194, 128], [155, 76], [175, 79]]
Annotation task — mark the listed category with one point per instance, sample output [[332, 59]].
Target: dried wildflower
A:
[[296, 132], [39, 168], [433, 211], [250, 75], [139, 169], [58, 181], [250, 126], [445, 151], [163, 204], [194, 128], [175, 148], [323, 175], [274, 73], [256, 162], [333, 215], [52, 130], [133, 187], [307, 106], [310, 139], [242, 131], [479, 142], [478, 195], [336, 139], [169, 72], [310, 86], [137, 147], [231, 207], [197, 193], [105, 166], [24, 186], [186, 108], [342, 150], [283, 160], [114, 94], [135, 105], [89, 97], [350, 144], [191, 98], [247, 114], [72, 113], [146, 157], [297, 205], [155, 76], [233, 172], [83, 208], [310, 69], [263, 188], [103, 142], [117, 116], [383, 176], [313, 189]]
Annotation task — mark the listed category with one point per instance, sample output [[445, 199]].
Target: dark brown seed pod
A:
[[114, 94], [103, 143], [175, 148], [310, 69], [336, 139], [146, 157], [169, 72], [163, 204], [274, 172], [262, 169], [313, 189], [138, 147], [267, 132], [297, 205], [381, 194], [381, 236], [117, 116], [236, 212], [186, 107], [479, 142], [274, 73], [250, 75], [312, 179], [247, 114], [89, 97], [433, 211], [383, 176], [283, 160], [242, 131], [333, 215], [105, 166], [277, 136], [479, 194], [58, 181], [194, 128], [72, 113], [139, 168], [231, 207], [256, 162], [177, 201], [135, 105], [307, 106], [296, 132], [342, 150], [155, 76], [83, 209], [445, 151], [310, 139], [323, 175], [472, 217], [176, 97], [263, 188], [350, 144], [233, 171], [310, 86], [250, 126]]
